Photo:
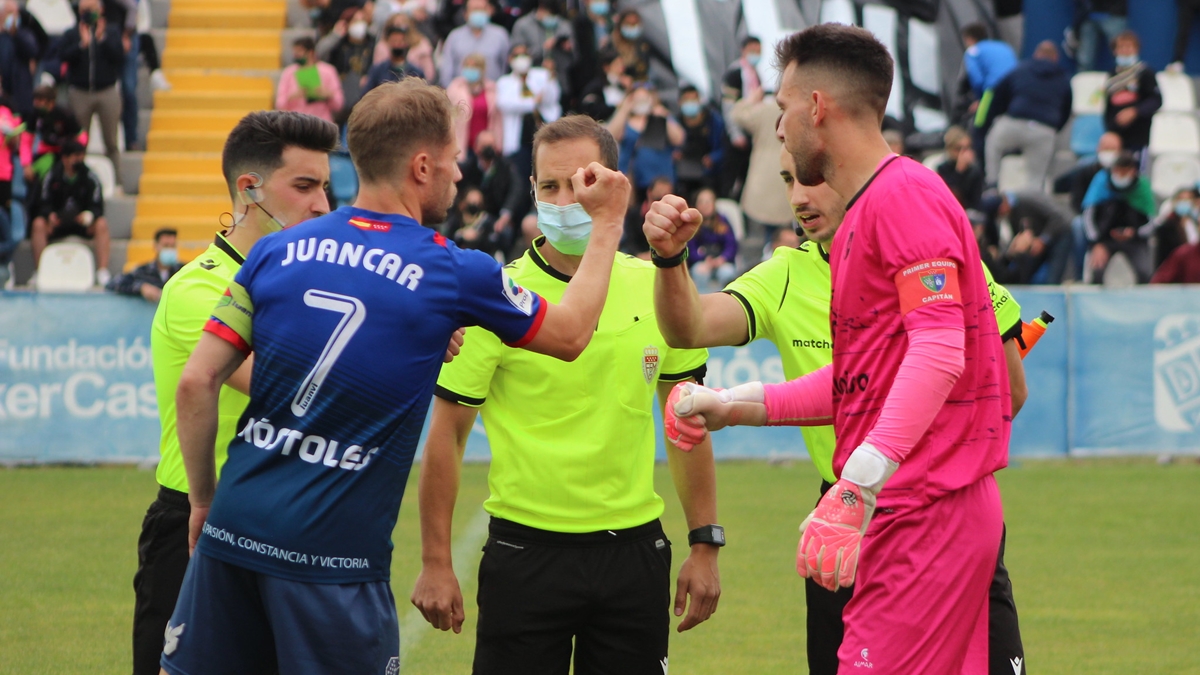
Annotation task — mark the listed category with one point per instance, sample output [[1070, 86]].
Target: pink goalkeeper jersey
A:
[[905, 257]]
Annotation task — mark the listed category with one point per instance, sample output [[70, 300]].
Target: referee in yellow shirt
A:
[[576, 553], [277, 166]]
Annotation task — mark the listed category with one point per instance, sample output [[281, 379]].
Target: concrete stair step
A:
[[221, 39], [119, 210], [232, 16], [221, 58], [162, 208], [189, 228], [199, 121], [182, 163], [186, 141], [216, 80], [242, 102], [183, 184]]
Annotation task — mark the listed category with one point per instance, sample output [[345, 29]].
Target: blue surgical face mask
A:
[[631, 32], [1121, 182], [690, 108], [600, 8], [478, 19], [1126, 61], [1183, 209], [471, 75], [168, 257], [753, 59], [567, 228], [550, 22]]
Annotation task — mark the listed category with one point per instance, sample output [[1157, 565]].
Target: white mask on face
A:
[[1106, 158], [522, 64], [1121, 182], [357, 30], [642, 108]]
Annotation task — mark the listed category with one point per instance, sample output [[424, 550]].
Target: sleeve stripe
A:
[[1011, 333], [696, 374], [749, 314], [454, 397], [533, 328], [227, 334]]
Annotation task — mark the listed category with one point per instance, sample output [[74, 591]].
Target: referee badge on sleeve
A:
[[650, 363], [521, 298]]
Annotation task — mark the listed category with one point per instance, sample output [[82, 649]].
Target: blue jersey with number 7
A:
[[348, 316]]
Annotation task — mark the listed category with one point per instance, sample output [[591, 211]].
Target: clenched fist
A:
[[604, 194], [670, 224]]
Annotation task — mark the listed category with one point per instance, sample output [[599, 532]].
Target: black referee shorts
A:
[[609, 591], [162, 562], [1006, 653]]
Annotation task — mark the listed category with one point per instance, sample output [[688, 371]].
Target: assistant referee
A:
[[277, 166], [576, 557]]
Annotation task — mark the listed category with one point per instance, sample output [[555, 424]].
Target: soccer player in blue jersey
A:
[[348, 316]]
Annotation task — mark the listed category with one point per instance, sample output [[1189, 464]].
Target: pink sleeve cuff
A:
[[803, 402]]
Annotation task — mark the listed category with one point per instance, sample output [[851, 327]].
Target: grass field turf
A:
[[1103, 555]]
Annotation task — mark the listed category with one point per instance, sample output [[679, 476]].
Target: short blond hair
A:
[[393, 122]]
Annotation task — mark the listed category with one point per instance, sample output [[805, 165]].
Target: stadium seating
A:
[[1013, 173], [219, 57], [1178, 94], [1087, 93], [1174, 132], [105, 173], [67, 267], [1171, 171], [1086, 130], [342, 179]]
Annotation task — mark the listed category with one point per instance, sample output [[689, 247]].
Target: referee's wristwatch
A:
[[708, 534], [667, 263]]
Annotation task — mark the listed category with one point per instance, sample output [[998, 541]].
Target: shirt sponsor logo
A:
[[521, 298], [649, 363], [381, 262], [812, 344], [865, 661], [208, 264], [224, 536], [372, 225], [311, 448]]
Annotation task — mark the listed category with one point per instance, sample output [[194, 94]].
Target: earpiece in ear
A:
[[252, 194]]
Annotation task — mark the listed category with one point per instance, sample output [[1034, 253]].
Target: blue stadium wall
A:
[[1117, 373], [1152, 20]]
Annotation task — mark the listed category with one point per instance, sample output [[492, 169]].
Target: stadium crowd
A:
[[511, 66]]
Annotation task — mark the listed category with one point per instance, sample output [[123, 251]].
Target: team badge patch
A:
[[373, 225], [934, 282], [393, 666], [521, 298], [649, 363]]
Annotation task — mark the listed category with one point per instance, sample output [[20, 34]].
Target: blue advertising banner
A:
[[1118, 372], [76, 380]]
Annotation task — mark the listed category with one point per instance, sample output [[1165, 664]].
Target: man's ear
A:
[[420, 168], [820, 107]]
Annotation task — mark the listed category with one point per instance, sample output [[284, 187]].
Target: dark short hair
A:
[[1126, 36], [393, 30], [259, 139], [607, 56], [45, 93], [850, 53], [552, 6], [1125, 160], [165, 232], [394, 121], [72, 147], [750, 40], [975, 31], [688, 89], [306, 43], [577, 126], [662, 179]]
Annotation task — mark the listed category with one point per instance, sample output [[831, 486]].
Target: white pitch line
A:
[[466, 553]]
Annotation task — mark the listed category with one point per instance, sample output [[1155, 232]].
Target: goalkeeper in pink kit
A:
[[917, 392]]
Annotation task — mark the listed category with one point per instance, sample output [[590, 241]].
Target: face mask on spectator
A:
[[478, 19], [753, 59], [302, 60], [631, 32], [487, 153], [399, 53], [1183, 209], [642, 108], [168, 257], [473, 209], [357, 30], [567, 228], [600, 8], [521, 64], [1121, 182], [91, 17], [1106, 157], [471, 75], [1124, 61], [550, 22], [690, 108]]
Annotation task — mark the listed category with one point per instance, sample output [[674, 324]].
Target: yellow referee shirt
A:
[[573, 443], [187, 303]]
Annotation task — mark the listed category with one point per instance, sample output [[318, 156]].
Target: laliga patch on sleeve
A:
[[927, 282], [521, 298]]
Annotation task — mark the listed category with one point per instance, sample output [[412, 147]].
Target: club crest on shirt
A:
[[650, 363], [935, 281], [518, 297]]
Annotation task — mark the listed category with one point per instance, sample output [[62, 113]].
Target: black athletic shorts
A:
[[1006, 654], [162, 562], [608, 591]]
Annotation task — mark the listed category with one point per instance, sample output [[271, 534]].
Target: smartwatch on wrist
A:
[[664, 263], [708, 534]]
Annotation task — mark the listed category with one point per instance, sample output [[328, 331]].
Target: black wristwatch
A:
[[709, 534], [665, 263]]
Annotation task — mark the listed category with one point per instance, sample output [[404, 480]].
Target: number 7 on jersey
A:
[[353, 314]]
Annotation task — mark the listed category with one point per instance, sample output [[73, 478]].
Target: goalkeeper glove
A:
[[684, 417], [832, 533]]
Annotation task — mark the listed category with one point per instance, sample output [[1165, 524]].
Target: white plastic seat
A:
[[55, 16], [105, 173], [66, 267], [95, 144], [934, 161], [1087, 93], [1178, 94], [1013, 173], [1172, 132], [1172, 171]]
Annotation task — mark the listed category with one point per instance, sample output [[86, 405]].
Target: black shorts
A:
[[162, 562], [609, 591], [70, 229], [1006, 653]]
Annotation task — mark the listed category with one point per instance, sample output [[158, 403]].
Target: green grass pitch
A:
[[1103, 554]]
